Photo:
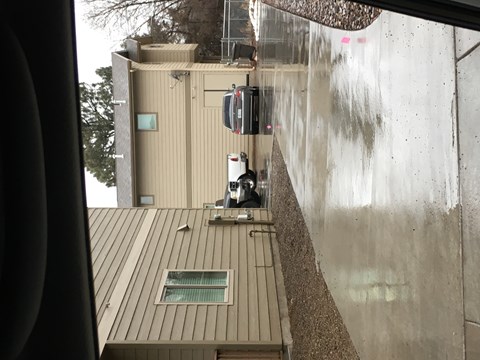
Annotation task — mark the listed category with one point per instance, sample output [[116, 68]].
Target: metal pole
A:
[[251, 232]]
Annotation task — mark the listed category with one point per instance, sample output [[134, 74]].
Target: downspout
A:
[[131, 103]]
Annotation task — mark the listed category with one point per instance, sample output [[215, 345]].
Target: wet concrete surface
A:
[[469, 161], [367, 122]]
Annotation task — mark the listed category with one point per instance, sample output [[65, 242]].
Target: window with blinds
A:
[[195, 287]]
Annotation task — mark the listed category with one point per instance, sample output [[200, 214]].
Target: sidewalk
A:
[[367, 125]]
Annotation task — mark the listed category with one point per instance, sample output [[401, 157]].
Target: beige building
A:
[[208, 292], [171, 145]]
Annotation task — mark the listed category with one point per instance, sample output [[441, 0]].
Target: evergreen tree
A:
[[98, 127]]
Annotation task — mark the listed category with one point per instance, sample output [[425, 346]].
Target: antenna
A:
[[176, 75]]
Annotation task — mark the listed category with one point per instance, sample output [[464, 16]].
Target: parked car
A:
[[240, 110], [241, 183]]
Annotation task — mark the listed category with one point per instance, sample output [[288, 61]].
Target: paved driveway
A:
[[380, 132]]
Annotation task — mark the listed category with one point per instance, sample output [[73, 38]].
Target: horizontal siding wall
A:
[[254, 315], [161, 170], [219, 67], [163, 66], [168, 52], [179, 65], [212, 141]]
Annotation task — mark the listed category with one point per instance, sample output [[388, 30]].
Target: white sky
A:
[[94, 49]]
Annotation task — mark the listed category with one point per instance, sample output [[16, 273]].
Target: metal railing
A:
[[235, 20]]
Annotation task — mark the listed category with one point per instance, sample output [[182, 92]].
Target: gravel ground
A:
[[335, 13], [317, 328]]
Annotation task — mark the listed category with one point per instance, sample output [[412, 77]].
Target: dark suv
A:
[[240, 110]]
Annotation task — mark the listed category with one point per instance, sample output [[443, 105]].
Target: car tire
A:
[[251, 179]]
